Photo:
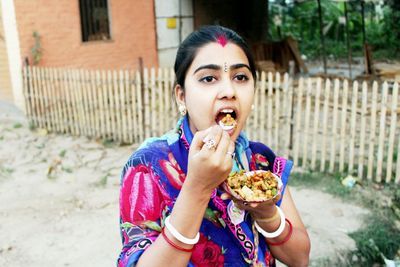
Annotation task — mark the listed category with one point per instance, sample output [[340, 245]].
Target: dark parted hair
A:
[[203, 36]]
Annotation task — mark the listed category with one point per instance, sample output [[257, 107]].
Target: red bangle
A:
[[169, 241], [287, 237]]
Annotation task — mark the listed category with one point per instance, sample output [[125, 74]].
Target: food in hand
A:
[[255, 186]]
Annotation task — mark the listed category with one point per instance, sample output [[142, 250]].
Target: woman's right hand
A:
[[209, 166]]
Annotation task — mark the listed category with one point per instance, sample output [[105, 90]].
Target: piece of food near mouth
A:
[[226, 119], [254, 186]]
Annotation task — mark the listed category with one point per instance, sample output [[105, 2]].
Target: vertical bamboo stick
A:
[[325, 124], [147, 117], [62, 88], [107, 102], [287, 111], [140, 107], [68, 102], [124, 110], [83, 95], [32, 92], [392, 132], [130, 96], [73, 115], [269, 108], [117, 110], [397, 179], [52, 99], [258, 130], [90, 104], [153, 109], [381, 138], [277, 114], [334, 126], [174, 111], [27, 93], [353, 122], [39, 95], [162, 114], [111, 100], [306, 127], [343, 125], [101, 124], [56, 99], [361, 155], [95, 98], [315, 124], [297, 126], [167, 100], [372, 135], [43, 97], [79, 79], [134, 103]]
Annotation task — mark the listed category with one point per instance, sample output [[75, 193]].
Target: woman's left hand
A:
[[265, 209]]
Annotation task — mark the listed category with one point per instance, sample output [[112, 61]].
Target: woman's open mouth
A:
[[226, 118]]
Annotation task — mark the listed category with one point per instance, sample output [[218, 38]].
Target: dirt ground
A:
[[59, 201]]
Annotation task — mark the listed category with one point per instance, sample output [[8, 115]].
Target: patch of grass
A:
[[378, 236], [326, 182], [379, 233], [17, 125], [62, 153]]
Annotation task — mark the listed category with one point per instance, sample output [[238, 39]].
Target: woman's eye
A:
[[207, 79], [241, 77]]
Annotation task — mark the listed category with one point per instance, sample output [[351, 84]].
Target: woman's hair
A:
[[205, 35]]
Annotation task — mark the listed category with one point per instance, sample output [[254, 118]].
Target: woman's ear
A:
[[179, 95]]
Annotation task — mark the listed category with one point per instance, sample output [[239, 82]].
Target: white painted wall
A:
[[168, 40], [13, 51]]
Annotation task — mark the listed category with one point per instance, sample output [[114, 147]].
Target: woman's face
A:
[[217, 83]]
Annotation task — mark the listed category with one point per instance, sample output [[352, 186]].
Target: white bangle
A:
[[278, 231], [177, 235]]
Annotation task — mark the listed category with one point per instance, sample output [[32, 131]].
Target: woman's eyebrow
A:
[[209, 66], [239, 65]]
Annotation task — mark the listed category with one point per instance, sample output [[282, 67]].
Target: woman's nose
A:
[[227, 90]]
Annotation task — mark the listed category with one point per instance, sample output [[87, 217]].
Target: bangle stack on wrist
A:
[[278, 231], [175, 233]]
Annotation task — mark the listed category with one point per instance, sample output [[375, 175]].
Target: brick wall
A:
[[58, 23]]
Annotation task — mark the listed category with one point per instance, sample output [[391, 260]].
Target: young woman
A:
[[173, 211]]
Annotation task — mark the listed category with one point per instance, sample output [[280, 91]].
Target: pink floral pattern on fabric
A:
[[141, 196], [207, 254], [173, 171]]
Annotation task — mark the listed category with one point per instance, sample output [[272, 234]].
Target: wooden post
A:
[[334, 126], [325, 124], [306, 127], [353, 122], [343, 126], [372, 137], [315, 126], [381, 138], [277, 109], [297, 125], [361, 155], [392, 132]]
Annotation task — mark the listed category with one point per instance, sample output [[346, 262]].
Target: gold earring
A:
[[182, 110]]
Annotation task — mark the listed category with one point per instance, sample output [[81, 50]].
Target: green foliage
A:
[[301, 20]]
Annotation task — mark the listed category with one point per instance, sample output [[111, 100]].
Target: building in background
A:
[[107, 34]]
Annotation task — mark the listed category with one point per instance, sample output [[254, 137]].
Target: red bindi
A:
[[221, 39]]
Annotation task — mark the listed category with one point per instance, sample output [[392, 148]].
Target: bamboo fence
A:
[[323, 125]]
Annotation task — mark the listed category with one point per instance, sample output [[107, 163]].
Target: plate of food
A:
[[253, 186]]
